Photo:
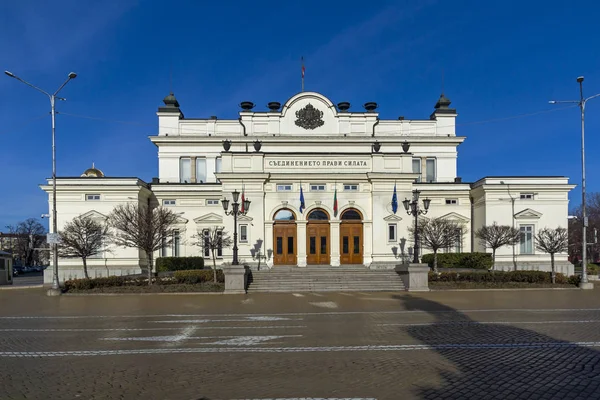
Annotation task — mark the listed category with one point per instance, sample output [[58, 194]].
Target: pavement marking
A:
[[317, 294], [246, 319], [406, 347], [227, 340], [458, 323], [324, 304], [297, 295], [148, 329], [316, 398], [248, 301], [347, 294], [541, 310]]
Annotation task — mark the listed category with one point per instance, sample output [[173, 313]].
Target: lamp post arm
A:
[[62, 86], [33, 86]]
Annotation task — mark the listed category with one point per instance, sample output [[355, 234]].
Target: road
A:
[[459, 345]]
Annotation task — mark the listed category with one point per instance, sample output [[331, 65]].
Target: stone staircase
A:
[[324, 279]]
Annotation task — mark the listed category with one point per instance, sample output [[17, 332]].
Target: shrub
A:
[[502, 277], [460, 260], [574, 280], [592, 269], [197, 276], [179, 263]]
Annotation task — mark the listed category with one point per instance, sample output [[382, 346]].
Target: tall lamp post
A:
[[55, 290], [235, 211], [412, 208], [581, 103]]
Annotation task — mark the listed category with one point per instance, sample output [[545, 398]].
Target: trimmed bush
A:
[[460, 260], [179, 263], [109, 281], [501, 277], [197, 276], [592, 269]]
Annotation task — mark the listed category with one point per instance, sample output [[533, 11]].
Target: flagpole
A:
[[303, 74]]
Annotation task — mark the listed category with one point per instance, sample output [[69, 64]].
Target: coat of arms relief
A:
[[309, 117]]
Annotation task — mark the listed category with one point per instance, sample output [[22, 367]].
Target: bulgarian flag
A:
[[243, 198], [335, 205]]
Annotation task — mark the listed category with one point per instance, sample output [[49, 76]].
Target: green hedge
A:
[[460, 260], [179, 263], [198, 276], [499, 277], [592, 269]]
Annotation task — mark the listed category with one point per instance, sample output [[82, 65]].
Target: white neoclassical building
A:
[[331, 154]]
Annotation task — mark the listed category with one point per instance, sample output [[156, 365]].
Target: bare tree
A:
[[552, 241], [212, 240], [439, 233], [83, 237], [28, 236], [495, 236], [142, 227]]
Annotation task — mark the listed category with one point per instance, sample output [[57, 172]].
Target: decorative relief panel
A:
[[309, 117]]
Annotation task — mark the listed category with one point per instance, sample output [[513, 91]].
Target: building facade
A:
[[346, 166]]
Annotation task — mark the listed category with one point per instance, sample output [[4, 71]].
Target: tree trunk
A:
[[85, 271], [435, 269], [214, 266], [149, 258], [553, 269], [493, 259]]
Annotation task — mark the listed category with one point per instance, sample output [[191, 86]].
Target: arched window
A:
[[284, 215], [318, 215], [351, 214]]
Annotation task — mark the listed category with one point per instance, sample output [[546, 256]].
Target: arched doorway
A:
[[317, 237], [351, 237], [284, 238]]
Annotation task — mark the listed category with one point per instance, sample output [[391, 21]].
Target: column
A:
[[193, 167], [368, 243], [301, 242], [335, 243], [268, 243]]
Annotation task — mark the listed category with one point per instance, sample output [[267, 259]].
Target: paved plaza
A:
[[461, 345]]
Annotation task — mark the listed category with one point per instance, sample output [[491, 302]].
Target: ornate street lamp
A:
[[235, 211], [412, 208]]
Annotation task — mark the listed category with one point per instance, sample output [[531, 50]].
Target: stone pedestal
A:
[[236, 278], [414, 276], [585, 286]]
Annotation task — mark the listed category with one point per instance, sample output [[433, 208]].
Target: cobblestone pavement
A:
[[453, 345]]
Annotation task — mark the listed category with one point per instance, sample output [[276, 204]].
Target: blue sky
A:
[[500, 59]]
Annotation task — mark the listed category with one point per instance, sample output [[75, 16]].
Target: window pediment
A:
[[455, 216], [528, 213], [209, 218]]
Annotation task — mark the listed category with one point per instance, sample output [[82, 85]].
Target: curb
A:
[[500, 290], [147, 294], [12, 287]]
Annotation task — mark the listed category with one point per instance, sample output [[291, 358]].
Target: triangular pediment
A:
[[392, 217], [209, 218], [244, 218], [455, 216], [181, 220], [528, 213], [93, 214]]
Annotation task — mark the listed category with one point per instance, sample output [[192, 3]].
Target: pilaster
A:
[[335, 243], [301, 241]]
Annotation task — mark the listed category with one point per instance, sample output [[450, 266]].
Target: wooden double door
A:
[[351, 243], [318, 243], [285, 244]]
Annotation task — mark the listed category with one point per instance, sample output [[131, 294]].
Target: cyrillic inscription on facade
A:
[[349, 163]]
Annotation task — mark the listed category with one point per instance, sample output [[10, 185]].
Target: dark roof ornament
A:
[[274, 106], [247, 105], [309, 117], [443, 106], [170, 101], [343, 106], [370, 106]]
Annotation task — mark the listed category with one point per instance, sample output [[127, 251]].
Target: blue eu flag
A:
[[394, 201], [302, 206]]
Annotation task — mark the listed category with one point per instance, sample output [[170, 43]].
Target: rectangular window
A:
[[218, 164], [185, 170], [430, 166], [212, 202], [200, 170], [392, 232], [416, 168], [243, 233], [451, 201], [458, 243], [526, 196], [279, 245], [313, 245], [317, 188], [206, 234], [168, 202], [526, 239], [163, 250], [92, 197], [345, 245], [176, 242], [356, 245], [219, 246], [350, 187], [290, 245], [323, 244], [284, 187]]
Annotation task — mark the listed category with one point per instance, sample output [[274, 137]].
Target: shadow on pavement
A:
[[502, 361]]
